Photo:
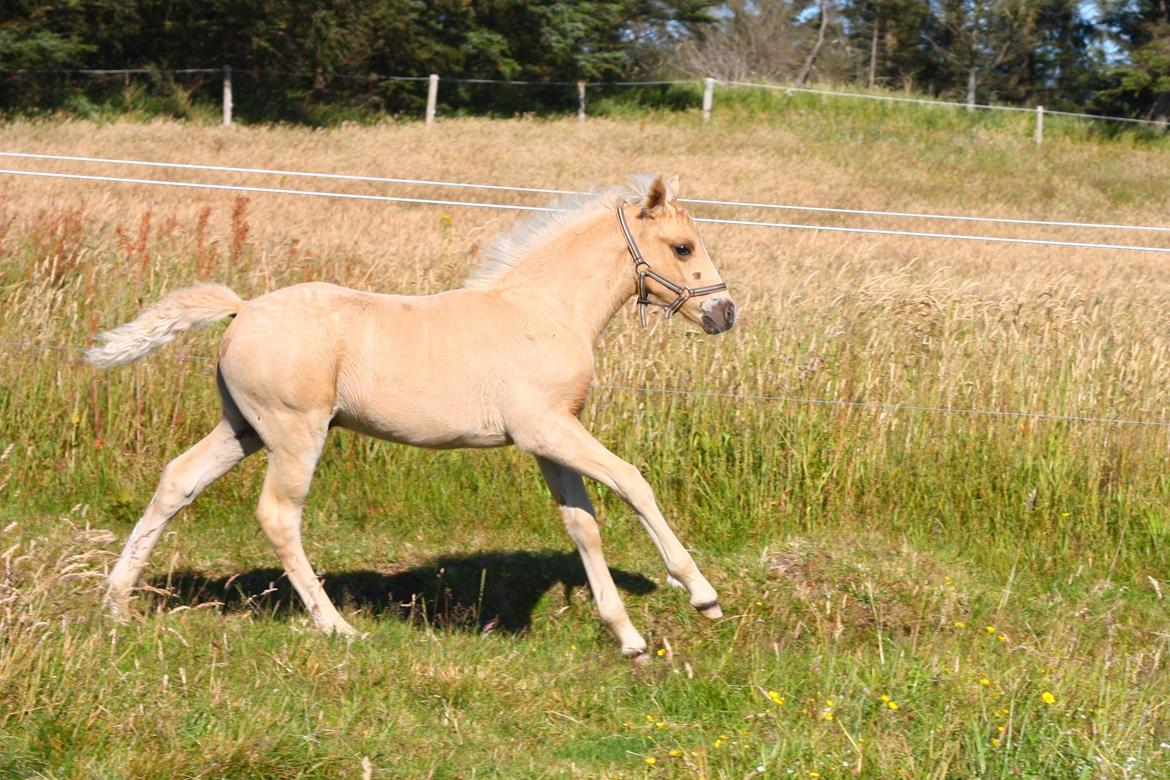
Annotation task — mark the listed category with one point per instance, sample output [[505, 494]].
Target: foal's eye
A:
[[683, 250]]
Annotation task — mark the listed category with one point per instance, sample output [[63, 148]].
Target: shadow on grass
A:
[[491, 590]]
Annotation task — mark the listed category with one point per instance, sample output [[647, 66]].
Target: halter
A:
[[642, 270]]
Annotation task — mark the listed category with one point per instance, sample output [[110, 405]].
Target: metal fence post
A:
[[227, 95], [432, 97], [1039, 125], [708, 98], [581, 102]]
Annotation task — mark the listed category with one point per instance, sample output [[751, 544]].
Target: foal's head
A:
[[669, 241]]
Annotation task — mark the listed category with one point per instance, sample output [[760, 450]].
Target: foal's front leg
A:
[[565, 441], [580, 521]]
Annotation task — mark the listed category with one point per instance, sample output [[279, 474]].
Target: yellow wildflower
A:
[[661, 724], [661, 652], [893, 705], [675, 752], [884, 697], [1002, 638], [649, 718], [827, 715], [989, 629], [995, 741], [1048, 697], [960, 624], [984, 682], [775, 697], [651, 760]]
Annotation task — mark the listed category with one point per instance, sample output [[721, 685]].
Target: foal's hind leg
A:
[[183, 479], [295, 444], [569, 491]]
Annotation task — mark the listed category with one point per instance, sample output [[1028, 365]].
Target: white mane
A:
[[509, 249]]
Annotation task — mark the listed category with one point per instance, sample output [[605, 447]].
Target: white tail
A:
[[182, 310]]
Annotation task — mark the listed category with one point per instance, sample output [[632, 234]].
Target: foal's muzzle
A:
[[720, 316]]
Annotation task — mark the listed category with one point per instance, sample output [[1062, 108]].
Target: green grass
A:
[[931, 575]]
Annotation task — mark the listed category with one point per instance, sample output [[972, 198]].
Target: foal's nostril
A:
[[729, 314]]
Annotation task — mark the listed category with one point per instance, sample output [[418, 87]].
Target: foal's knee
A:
[[175, 489], [634, 487], [581, 526]]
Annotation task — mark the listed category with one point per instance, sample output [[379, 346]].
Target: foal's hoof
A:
[[117, 607], [711, 610], [341, 629], [641, 660]]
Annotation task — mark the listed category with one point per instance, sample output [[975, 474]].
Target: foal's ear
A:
[[660, 195]]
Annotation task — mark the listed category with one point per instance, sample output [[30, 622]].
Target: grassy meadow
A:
[[909, 593]]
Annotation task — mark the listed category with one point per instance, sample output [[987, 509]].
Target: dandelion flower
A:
[[960, 624], [1002, 638], [1048, 697], [661, 724], [675, 753], [827, 715], [984, 682], [813, 774], [649, 718], [661, 652], [995, 741], [651, 760], [719, 743], [989, 629], [893, 705], [884, 697], [775, 697]]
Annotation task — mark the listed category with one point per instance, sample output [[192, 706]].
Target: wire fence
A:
[[707, 86], [521, 207], [571, 193]]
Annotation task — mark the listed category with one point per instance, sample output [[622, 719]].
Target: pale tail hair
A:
[[182, 310]]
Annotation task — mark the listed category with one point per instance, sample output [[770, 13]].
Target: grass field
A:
[[908, 593]]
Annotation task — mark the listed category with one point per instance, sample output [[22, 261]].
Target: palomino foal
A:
[[507, 359]]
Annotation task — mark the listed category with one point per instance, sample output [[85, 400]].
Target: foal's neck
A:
[[582, 279]]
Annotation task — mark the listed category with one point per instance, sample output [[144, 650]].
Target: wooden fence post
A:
[[581, 102], [708, 98], [227, 95], [432, 97], [1039, 125]]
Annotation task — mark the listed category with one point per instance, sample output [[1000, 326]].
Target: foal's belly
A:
[[424, 420], [432, 438]]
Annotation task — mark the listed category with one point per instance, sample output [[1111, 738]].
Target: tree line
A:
[[1107, 56]]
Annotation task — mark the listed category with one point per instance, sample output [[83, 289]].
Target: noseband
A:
[[642, 271]]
